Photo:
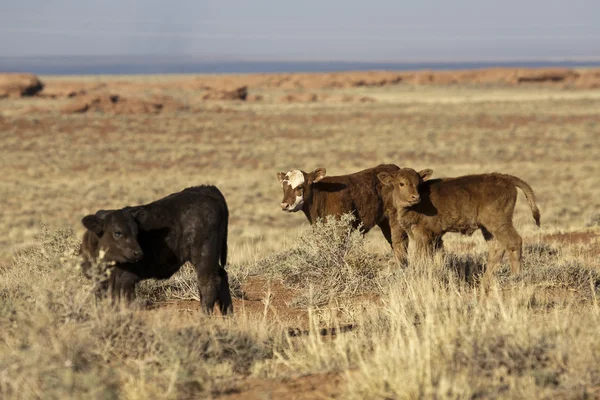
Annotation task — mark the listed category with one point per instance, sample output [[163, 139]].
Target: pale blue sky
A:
[[368, 30]]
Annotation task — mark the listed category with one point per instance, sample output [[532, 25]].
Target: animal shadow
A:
[[466, 267], [297, 332]]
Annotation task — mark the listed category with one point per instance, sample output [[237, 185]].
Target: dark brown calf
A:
[[360, 193], [427, 209], [114, 233], [187, 226]]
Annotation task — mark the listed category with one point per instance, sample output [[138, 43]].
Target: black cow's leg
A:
[[123, 286], [205, 259], [113, 284], [101, 289], [224, 298]]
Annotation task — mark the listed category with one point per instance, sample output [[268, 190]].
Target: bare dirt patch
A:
[[261, 298], [313, 386]]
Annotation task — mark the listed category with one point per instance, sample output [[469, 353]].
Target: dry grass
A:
[[422, 332]]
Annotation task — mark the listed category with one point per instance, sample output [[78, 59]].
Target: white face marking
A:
[[295, 178], [297, 204]]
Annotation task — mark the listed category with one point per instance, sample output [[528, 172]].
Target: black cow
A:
[[190, 225]]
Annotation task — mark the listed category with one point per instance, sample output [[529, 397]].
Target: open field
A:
[[347, 324]]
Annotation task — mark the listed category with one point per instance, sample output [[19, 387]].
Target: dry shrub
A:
[[181, 286], [328, 261], [184, 285]]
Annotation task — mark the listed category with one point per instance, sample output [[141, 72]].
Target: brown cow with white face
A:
[[296, 184], [361, 194]]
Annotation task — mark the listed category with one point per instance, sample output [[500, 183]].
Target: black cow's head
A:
[[117, 235]]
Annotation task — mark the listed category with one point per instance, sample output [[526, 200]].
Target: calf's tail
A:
[[224, 237], [521, 184], [224, 250]]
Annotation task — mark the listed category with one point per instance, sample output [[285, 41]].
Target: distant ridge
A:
[[123, 65]]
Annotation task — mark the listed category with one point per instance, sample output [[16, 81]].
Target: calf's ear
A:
[[94, 224], [103, 213], [385, 178], [317, 175], [425, 174], [141, 216], [281, 176]]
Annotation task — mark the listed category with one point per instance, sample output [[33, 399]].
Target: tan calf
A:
[[427, 209]]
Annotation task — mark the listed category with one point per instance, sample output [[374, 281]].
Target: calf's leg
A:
[[506, 233], [509, 240], [396, 237], [495, 254], [122, 286], [424, 245], [514, 247], [224, 297], [211, 286]]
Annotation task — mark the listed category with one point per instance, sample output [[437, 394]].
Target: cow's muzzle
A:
[[291, 207], [136, 256], [414, 199]]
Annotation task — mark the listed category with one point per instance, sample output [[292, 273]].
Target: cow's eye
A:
[[401, 184], [118, 234]]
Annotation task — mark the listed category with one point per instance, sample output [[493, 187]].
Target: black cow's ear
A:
[[102, 213], [425, 174], [281, 176], [94, 224], [385, 178], [141, 216], [317, 175]]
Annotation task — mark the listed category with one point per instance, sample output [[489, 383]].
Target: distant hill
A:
[[118, 65]]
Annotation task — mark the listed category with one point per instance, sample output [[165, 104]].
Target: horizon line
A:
[[228, 58]]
